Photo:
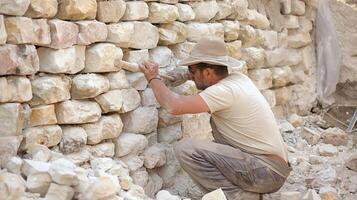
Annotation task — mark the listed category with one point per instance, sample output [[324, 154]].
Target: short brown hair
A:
[[219, 70]]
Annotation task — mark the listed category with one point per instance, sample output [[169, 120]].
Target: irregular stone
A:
[[165, 195], [133, 162], [121, 33], [3, 34], [135, 11], [130, 144], [286, 7], [224, 10], [282, 95], [298, 40], [234, 49], [34, 167], [257, 20], [172, 33], [140, 177], [77, 112], [262, 78], [297, 7], [291, 22], [86, 86], [14, 7], [335, 136], [43, 115], [50, 89], [170, 134], [63, 34], [148, 98], [154, 156], [42, 9], [92, 31], [62, 172], [152, 138], [41, 32], [147, 41], [103, 150], [108, 127], [185, 12], [9, 147], [293, 57], [103, 187], [102, 57], [74, 138], [110, 11], [39, 152], [12, 185], [110, 101], [204, 10], [255, 57], [351, 163], [148, 116], [59, 192], [49, 136], [168, 172], [19, 30], [131, 99], [290, 195], [282, 76], [215, 195], [327, 150], [311, 195], [182, 50], [136, 56], [77, 9], [15, 89], [166, 119], [305, 24], [137, 80], [273, 12], [250, 36], [197, 126], [13, 165], [196, 30], [269, 95], [161, 55], [231, 30], [38, 183], [118, 80], [270, 39], [11, 119], [162, 13], [79, 158], [154, 184], [239, 10]]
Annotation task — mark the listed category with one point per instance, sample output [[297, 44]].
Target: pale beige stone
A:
[[204, 10], [91, 32], [34, 167], [254, 57], [136, 10], [50, 89], [64, 34], [106, 149], [305, 24], [231, 30], [19, 30], [215, 195], [15, 89], [239, 9], [77, 9], [110, 11], [140, 177], [111, 101], [9, 146], [234, 49], [257, 20], [299, 39], [185, 12], [250, 36], [104, 187], [49, 136], [79, 158], [297, 7], [120, 33], [172, 33], [165, 195], [42, 33], [42, 9], [262, 78], [335, 136], [59, 192], [148, 117], [351, 162], [130, 143], [273, 12], [275, 57], [154, 184], [162, 55], [170, 134], [152, 138], [11, 119], [69, 60], [197, 126], [196, 30], [43, 115], [3, 34], [38, 183], [62, 171], [102, 57], [270, 39], [162, 13], [148, 98], [77, 112], [136, 56], [137, 80], [182, 50], [39, 152], [12, 186], [224, 10], [118, 80], [282, 95], [74, 138], [311, 195], [13, 165], [148, 40], [131, 99], [154, 156], [86, 86], [282, 76], [293, 57], [291, 21], [14, 7]]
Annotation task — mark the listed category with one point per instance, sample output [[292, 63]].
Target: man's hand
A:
[[180, 75], [150, 69]]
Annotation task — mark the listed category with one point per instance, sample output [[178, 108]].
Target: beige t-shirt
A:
[[243, 116]]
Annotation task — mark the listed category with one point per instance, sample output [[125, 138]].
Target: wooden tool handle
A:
[[134, 67]]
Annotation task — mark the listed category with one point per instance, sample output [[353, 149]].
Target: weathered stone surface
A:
[[34, 167], [43, 115], [147, 41], [50, 89], [296, 120], [250, 36], [118, 80], [9, 146], [120, 33], [15, 89], [231, 30], [148, 98], [204, 10], [262, 78], [147, 116], [239, 10], [185, 12], [136, 10], [290, 195], [3, 34], [154, 184], [291, 22], [108, 127], [39, 152], [88, 86], [270, 39], [182, 50], [168, 172], [12, 186], [91, 32], [162, 13], [234, 49], [62, 171], [63, 34], [42, 32], [77, 112], [165, 195], [224, 10], [170, 134], [133, 162], [196, 30], [13, 165], [257, 20], [161, 55], [299, 39], [335, 136], [77, 9], [297, 7], [106, 149], [38, 183], [282, 76], [59, 192], [11, 119], [14, 7], [172, 33], [130, 144], [121, 101], [215, 195], [74, 138], [136, 56], [351, 163], [135, 192], [327, 150], [103, 187], [79, 158], [137, 80], [110, 11], [152, 138], [254, 57], [42, 9], [154, 156], [48, 136], [102, 57], [19, 30], [69, 60]]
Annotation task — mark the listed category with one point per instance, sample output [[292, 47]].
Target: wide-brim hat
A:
[[212, 51]]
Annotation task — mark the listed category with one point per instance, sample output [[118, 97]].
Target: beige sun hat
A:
[[211, 51]]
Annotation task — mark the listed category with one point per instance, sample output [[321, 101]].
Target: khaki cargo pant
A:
[[213, 165]]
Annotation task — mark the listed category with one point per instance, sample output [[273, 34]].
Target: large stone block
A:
[[137, 80], [120, 33], [234, 49], [64, 34], [14, 7], [50, 89], [195, 31], [299, 39], [161, 55], [86, 86], [185, 12], [291, 21], [335, 136], [197, 126], [77, 9], [110, 11], [148, 40], [103, 57], [43, 115], [77, 112], [38, 183], [285, 7], [257, 20], [282, 76], [130, 144], [148, 98], [297, 7], [250, 36], [74, 138], [147, 116], [282, 95], [162, 13], [136, 56], [18, 59], [262, 78], [269, 95], [106, 149], [273, 11], [122, 101], [136, 10], [12, 186], [15, 89], [42, 32], [255, 57], [3, 34], [182, 50], [104, 187], [62, 171], [59, 192], [172, 33], [231, 30], [117, 80], [239, 10], [42, 9], [9, 146], [34, 167], [224, 10], [91, 32], [49, 136], [270, 39], [69, 60], [11, 119], [204, 10], [19, 30]]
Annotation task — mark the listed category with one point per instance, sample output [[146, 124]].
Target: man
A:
[[248, 155]]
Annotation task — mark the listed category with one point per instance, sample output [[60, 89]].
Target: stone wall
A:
[[79, 120]]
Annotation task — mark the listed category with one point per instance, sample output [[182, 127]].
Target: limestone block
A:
[[88, 86], [140, 177], [108, 127], [5, 95], [254, 57], [77, 9], [282, 76], [185, 12], [231, 30], [34, 167], [273, 11], [110, 11], [59, 192], [250, 36], [11, 119], [118, 80], [38, 183], [297, 7], [14, 165], [110, 101], [170, 134], [165, 195], [62, 171], [152, 138], [239, 9], [312, 137], [131, 100], [133, 162], [9, 146], [275, 57], [351, 163], [91, 32], [136, 10], [43, 115], [196, 30], [147, 116], [74, 138], [50, 89], [41, 32], [335, 136], [327, 150], [172, 33], [14, 7], [215, 195], [290, 195], [19, 30], [16, 89], [224, 10], [154, 156], [148, 98], [20, 59], [161, 55], [130, 144], [12, 186], [154, 184], [197, 126], [169, 172], [257, 20], [282, 95], [69, 60], [102, 57], [147, 41], [204, 10], [162, 13], [286, 7], [49, 136], [77, 112], [103, 187], [262, 78], [305, 24], [293, 57], [234, 49], [166, 119], [135, 192], [270, 39], [299, 39], [136, 56], [291, 21], [39, 152], [137, 80], [106, 149], [79, 158], [64, 34], [42, 9], [269, 95], [3, 34], [182, 50], [120, 33]]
